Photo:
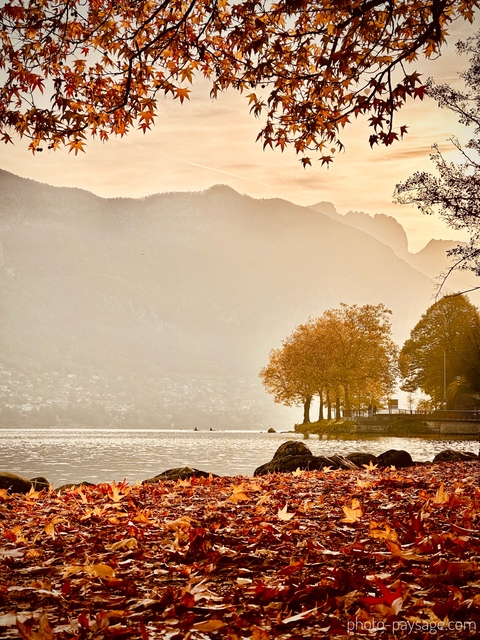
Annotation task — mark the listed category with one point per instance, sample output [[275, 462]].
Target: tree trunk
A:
[[320, 409], [306, 410], [329, 405], [337, 408], [347, 412]]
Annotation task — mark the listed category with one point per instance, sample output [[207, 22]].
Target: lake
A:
[[103, 455]]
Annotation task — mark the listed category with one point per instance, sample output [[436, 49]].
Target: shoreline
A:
[[291, 456]]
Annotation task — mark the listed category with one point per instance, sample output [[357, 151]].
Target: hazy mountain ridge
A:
[[432, 260], [384, 228], [176, 286]]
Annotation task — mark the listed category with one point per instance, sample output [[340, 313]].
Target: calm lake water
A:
[[103, 455]]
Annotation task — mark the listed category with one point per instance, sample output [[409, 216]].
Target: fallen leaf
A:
[[387, 533], [353, 513], [300, 616], [209, 625], [128, 543], [93, 570], [283, 513], [441, 497], [363, 484], [238, 494], [44, 632]]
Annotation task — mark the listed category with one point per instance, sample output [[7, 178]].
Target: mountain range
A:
[[161, 311]]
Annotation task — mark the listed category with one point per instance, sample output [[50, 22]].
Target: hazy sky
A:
[[203, 142]]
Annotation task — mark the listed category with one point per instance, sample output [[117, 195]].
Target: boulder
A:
[[449, 455], [293, 455], [397, 458], [40, 483], [180, 473], [73, 485], [361, 458], [292, 463], [14, 483], [271, 430], [292, 448]]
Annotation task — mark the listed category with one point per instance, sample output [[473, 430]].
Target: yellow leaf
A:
[[298, 472], [387, 533], [397, 551], [180, 524], [32, 494], [76, 145], [441, 496], [50, 526], [209, 625], [143, 518], [93, 570], [82, 496], [327, 469], [370, 466], [99, 571], [364, 484], [128, 543], [283, 513], [238, 494], [353, 513]]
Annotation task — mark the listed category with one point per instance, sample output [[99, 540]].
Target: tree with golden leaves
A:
[[346, 356], [363, 353], [290, 374], [74, 68]]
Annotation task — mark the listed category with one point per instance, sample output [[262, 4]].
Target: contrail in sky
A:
[[226, 173]]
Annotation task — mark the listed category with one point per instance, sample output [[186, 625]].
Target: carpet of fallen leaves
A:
[[368, 553]]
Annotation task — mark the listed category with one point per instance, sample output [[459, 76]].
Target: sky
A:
[[206, 142]]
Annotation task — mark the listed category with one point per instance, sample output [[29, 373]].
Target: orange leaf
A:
[[44, 632], [182, 94], [353, 513], [441, 496], [209, 625], [238, 494]]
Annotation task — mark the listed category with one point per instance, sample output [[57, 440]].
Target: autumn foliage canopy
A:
[[75, 68], [346, 357]]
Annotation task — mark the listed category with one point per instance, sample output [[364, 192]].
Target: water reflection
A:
[[103, 455]]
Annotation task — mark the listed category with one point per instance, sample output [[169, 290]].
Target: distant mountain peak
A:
[[384, 228]]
